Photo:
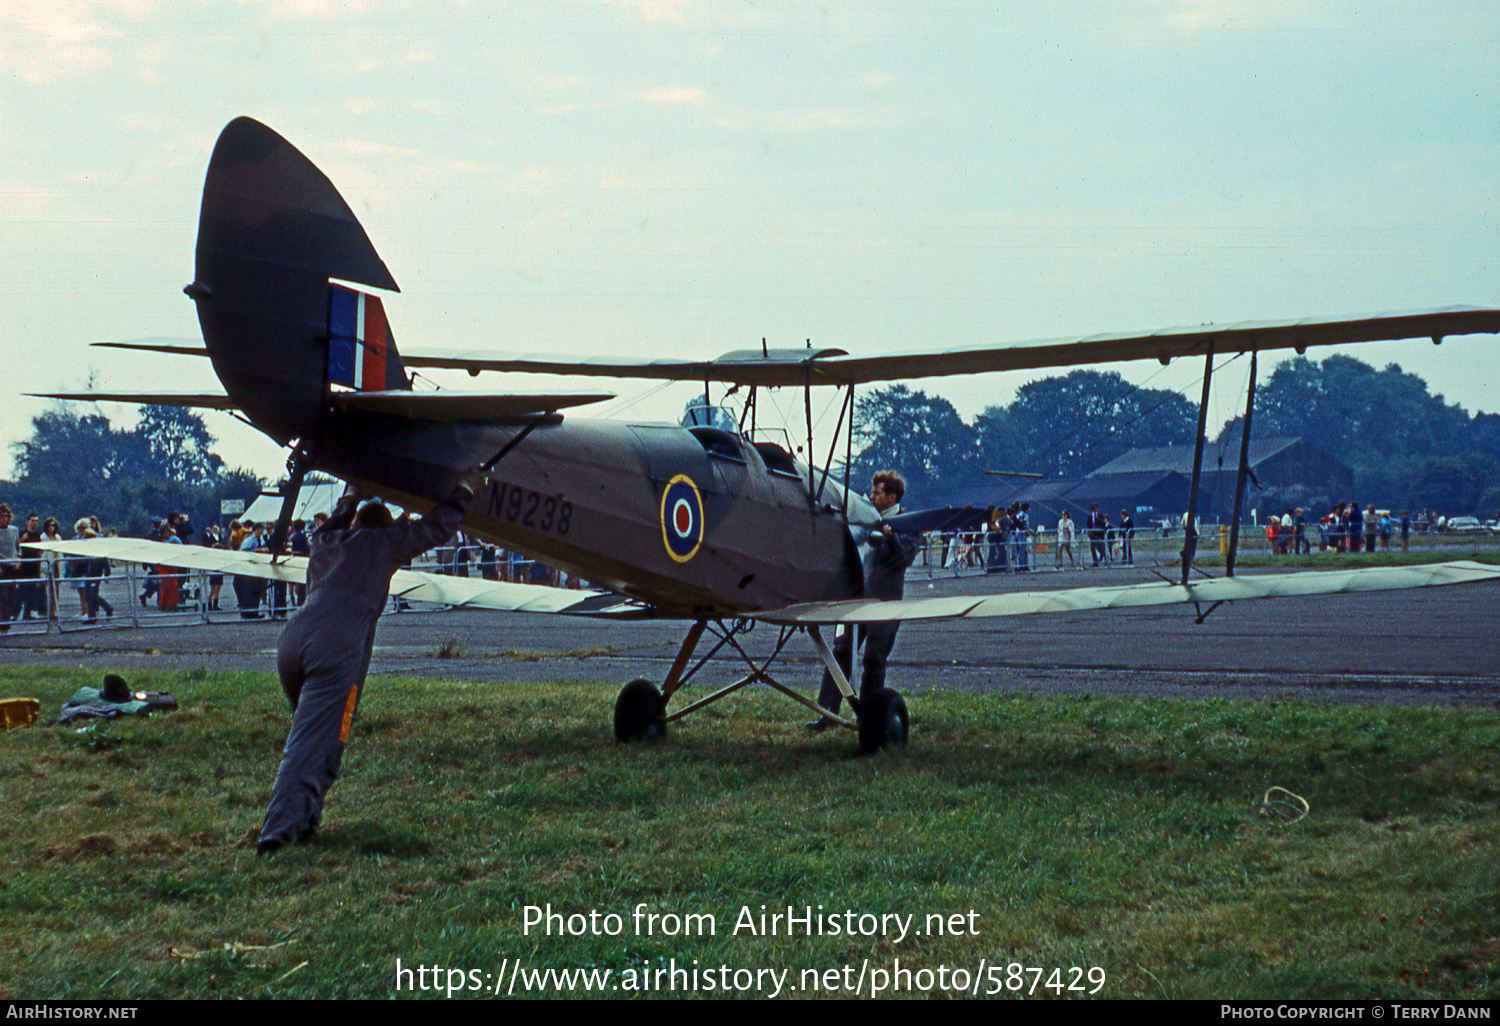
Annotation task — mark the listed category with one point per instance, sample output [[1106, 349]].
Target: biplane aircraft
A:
[[702, 523]]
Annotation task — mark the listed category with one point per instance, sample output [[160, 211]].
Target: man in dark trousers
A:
[[324, 652], [893, 554], [1097, 526], [31, 593], [1127, 538]]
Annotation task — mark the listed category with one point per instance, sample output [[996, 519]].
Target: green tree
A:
[[79, 465], [1406, 446], [920, 435], [1356, 412], [1456, 483], [79, 452], [179, 444], [1066, 426], [999, 441]]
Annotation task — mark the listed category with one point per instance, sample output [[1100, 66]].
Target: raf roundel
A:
[[681, 518]]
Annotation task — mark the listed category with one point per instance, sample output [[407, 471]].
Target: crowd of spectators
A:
[[34, 583], [31, 580], [466, 556], [1010, 543], [1350, 527]]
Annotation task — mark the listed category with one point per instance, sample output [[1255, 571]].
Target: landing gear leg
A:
[[883, 720]]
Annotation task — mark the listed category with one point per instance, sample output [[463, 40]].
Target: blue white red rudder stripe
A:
[[361, 351]]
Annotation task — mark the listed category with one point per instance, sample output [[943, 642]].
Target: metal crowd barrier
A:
[[130, 595], [967, 553], [34, 605], [472, 561]]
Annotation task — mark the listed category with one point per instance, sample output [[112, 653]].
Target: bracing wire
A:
[[1069, 458]]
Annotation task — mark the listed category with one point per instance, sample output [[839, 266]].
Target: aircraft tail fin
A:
[[271, 233]]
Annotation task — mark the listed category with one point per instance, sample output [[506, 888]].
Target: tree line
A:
[[77, 465], [1407, 447], [1059, 427]]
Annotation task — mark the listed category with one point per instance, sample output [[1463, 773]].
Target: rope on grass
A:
[[1291, 811]]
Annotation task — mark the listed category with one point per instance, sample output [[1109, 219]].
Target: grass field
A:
[[1079, 832]]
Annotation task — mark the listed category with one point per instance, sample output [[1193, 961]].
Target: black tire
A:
[[640, 712], [882, 722]]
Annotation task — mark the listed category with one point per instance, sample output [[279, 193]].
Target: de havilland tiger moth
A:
[[704, 523]]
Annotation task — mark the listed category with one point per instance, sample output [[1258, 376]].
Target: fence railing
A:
[[65, 595], [72, 595], [964, 553]]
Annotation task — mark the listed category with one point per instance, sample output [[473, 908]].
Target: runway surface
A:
[[1436, 646]]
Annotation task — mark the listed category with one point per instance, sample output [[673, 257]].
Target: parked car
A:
[[1462, 524]]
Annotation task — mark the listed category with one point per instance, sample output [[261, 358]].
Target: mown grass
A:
[[1083, 831]]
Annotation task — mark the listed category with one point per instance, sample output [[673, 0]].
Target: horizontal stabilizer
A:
[[190, 400], [1075, 600], [951, 518], [170, 346], [835, 367], [412, 585], [449, 407]]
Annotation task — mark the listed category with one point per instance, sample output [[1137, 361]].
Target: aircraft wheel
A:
[[640, 712], [882, 722]]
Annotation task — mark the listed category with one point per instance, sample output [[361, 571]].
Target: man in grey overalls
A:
[[894, 552], [324, 652]]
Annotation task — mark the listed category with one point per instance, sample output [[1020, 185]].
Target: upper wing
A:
[[414, 585], [1072, 600], [836, 367], [433, 407]]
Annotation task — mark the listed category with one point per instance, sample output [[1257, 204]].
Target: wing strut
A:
[[1190, 528], [848, 451], [1239, 478], [505, 449], [847, 406], [812, 500]]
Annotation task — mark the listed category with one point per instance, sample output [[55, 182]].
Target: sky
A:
[[684, 178]]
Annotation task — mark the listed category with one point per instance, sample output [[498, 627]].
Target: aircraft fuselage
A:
[[695, 522]]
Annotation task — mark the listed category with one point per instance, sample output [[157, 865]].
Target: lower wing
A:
[[477, 593], [412, 585], [1163, 593]]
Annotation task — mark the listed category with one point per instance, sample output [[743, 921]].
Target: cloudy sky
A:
[[675, 177]]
